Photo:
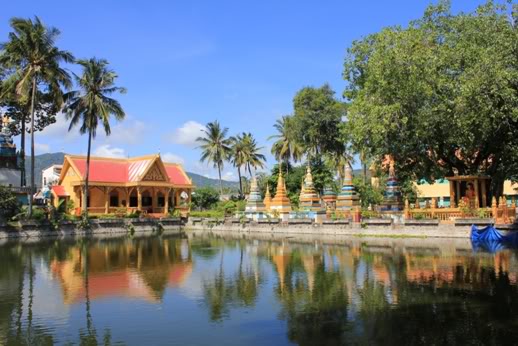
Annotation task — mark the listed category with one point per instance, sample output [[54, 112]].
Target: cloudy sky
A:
[[186, 63]]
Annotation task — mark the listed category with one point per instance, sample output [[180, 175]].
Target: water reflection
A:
[[361, 291]]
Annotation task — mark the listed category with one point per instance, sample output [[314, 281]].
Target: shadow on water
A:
[[362, 291]]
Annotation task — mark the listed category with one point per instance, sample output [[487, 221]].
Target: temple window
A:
[[147, 200], [160, 200], [133, 200]]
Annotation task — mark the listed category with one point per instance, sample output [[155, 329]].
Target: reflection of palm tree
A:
[[218, 293], [246, 283]]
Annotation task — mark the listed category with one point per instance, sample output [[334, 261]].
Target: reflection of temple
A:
[[132, 270]]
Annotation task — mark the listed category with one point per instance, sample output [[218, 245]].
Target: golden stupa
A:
[[281, 202], [267, 198], [309, 197]]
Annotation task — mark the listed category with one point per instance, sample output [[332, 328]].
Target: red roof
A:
[[176, 175], [59, 191], [125, 171]]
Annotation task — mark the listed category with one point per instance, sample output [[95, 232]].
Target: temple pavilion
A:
[[144, 184]]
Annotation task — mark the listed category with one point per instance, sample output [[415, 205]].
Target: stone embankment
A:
[[369, 227], [43, 229]]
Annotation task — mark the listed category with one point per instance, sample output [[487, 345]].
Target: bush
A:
[[9, 205], [39, 214], [205, 198], [208, 214], [368, 214]]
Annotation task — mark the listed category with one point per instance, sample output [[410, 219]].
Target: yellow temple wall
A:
[[96, 198], [70, 178], [443, 189]]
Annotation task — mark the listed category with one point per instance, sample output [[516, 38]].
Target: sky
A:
[[186, 63]]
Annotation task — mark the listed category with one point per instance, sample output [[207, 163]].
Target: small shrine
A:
[[281, 203], [392, 200], [347, 198], [329, 199], [254, 208], [472, 189], [309, 201]]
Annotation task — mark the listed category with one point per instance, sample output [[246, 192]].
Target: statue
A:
[[6, 121]]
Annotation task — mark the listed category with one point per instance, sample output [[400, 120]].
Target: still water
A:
[[216, 291]]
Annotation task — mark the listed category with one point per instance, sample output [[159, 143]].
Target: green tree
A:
[[36, 61], [9, 205], [440, 95], [205, 198], [252, 155], [317, 120], [91, 106], [238, 157], [215, 147], [286, 148]]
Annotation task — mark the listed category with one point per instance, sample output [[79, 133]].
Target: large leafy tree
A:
[[215, 146], [91, 106], [317, 120], [441, 95], [36, 63], [286, 147]]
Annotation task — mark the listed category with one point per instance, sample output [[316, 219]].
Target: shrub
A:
[[208, 214], [9, 205], [205, 198]]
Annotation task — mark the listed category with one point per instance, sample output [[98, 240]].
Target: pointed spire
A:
[[267, 198], [347, 198], [281, 202], [254, 203]]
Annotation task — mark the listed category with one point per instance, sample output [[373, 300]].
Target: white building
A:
[[50, 175]]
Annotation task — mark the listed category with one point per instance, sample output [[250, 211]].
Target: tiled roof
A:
[[125, 170], [59, 191]]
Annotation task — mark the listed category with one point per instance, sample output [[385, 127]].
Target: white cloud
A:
[[59, 129], [107, 150], [125, 132], [187, 134], [172, 158], [41, 148]]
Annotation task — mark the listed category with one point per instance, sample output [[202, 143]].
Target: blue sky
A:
[[186, 63]]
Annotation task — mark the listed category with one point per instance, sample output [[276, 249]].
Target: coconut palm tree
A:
[[36, 61], [237, 157], [215, 147], [90, 106], [285, 148], [252, 155]]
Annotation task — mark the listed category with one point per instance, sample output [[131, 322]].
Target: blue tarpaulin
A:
[[491, 240]]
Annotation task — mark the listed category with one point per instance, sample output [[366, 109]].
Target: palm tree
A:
[[215, 147], [32, 53], [91, 106], [285, 147], [253, 157], [237, 157]]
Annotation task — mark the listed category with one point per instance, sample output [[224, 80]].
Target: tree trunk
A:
[[220, 182], [364, 173], [240, 182], [33, 101], [85, 191], [23, 181]]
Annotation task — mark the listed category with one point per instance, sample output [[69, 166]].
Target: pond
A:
[[219, 291]]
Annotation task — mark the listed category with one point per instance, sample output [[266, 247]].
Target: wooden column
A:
[[483, 192], [166, 201], [457, 185], [139, 198], [154, 199], [477, 200], [452, 194], [107, 200]]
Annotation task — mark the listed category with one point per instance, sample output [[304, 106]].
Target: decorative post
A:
[[483, 190], [139, 198], [477, 199], [452, 195], [407, 209], [494, 208], [166, 201], [416, 204], [106, 200]]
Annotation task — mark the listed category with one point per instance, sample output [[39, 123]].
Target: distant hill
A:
[[45, 160]]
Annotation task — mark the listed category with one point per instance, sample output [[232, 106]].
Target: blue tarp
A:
[[491, 240]]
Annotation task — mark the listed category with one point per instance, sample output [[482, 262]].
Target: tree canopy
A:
[[440, 96]]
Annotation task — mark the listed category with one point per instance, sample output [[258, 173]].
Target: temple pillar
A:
[[139, 198], [457, 186], [452, 194], [166, 200], [107, 200], [154, 204]]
